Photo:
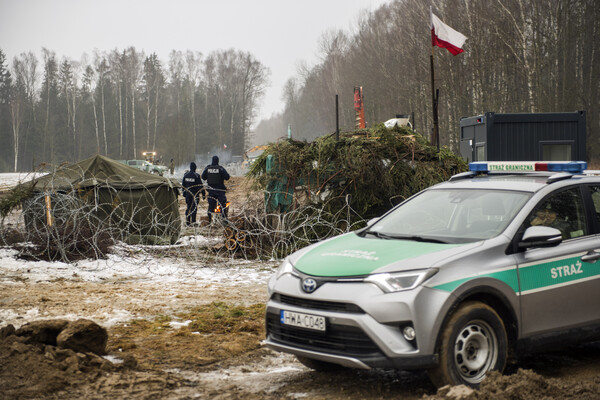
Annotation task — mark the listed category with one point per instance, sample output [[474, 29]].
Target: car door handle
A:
[[592, 256]]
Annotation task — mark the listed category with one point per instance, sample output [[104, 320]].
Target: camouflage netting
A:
[[372, 170]]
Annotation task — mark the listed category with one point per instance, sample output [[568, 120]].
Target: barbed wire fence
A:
[[70, 225]]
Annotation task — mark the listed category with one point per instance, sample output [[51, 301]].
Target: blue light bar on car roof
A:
[[528, 166]]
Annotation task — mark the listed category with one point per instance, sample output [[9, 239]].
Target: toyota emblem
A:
[[309, 285]]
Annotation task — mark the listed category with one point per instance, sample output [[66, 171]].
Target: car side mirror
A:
[[540, 236]]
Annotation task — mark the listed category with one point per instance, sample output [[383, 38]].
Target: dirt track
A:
[[148, 319]]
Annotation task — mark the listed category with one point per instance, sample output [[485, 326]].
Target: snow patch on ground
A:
[[118, 268], [8, 180], [267, 375], [137, 288]]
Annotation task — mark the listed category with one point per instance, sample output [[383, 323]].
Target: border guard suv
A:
[[455, 279]]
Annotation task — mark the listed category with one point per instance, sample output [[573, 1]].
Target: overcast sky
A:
[[279, 33]]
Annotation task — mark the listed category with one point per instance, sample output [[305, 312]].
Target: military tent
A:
[[137, 207]]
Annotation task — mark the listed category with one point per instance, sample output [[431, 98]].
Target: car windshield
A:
[[451, 216]]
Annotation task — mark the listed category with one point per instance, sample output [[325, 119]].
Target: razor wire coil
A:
[[78, 224]]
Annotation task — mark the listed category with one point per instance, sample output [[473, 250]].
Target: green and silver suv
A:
[[454, 280]]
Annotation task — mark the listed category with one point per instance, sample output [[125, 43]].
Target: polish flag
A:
[[224, 146], [445, 37]]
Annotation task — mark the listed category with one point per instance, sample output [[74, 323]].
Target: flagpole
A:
[[442, 36], [435, 138]]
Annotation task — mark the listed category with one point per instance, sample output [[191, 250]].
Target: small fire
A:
[[218, 207]]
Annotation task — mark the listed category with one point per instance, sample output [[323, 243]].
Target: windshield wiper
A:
[[381, 235], [423, 239], [414, 238]]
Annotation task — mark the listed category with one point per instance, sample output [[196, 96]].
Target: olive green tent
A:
[[136, 206]]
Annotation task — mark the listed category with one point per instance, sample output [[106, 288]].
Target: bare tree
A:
[[16, 113], [176, 67], [193, 71], [49, 92], [101, 67], [25, 70], [254, 82], [89, 89], [520, 40], [134, 75], [25, 67], [152, 80], [215, 92], [117, 73]]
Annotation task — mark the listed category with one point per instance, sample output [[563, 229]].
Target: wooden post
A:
[[48, 209]]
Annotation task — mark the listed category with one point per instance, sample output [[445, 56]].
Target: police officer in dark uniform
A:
[[215, 177], [192, 188]]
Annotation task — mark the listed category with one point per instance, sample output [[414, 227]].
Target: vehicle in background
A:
[[146, 166]]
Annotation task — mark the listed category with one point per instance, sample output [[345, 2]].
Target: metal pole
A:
[[435, 140], [437, 121], [337, 118]]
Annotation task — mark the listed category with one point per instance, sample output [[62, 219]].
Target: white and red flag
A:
[[445, 37]]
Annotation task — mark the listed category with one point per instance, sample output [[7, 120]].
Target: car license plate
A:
[[302, 320]]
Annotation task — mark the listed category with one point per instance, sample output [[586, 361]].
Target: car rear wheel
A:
[[473, 342], [317, 365]]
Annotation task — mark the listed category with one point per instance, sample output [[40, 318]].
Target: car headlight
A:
[[398, 281], [286, 267]]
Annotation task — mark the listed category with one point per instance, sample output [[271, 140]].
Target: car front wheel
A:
[[473, 342]]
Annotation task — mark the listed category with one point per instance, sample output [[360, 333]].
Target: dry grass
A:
[[217, 331]]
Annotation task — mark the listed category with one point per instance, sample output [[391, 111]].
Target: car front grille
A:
[[318, 304], [337, 339]]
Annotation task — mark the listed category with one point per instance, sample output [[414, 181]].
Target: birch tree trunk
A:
[[103, 119], [193, 72], [15, 113], [74, 126], [103, 70], [90, 89], [520, 44], [120, 104], [148, 112], [49, 71], [68, 104], [155, 116], [133, 121], [46, 122], [96, 125]]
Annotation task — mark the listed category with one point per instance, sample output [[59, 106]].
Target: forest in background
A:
[[122, 103], [520, 56]]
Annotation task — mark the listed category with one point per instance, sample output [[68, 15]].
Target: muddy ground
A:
[[176, 360], [202, 338]]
